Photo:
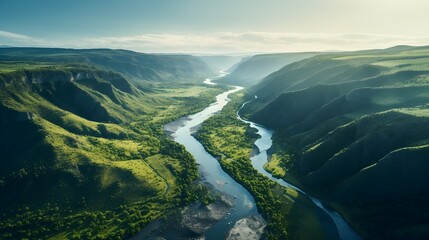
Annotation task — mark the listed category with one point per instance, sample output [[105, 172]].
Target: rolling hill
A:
[[136, 66], [355, 127]]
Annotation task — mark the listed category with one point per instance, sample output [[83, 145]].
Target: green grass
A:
[[93, 173], [274, 166], [289, 215], [349, 124], [6, 67], [165, 166], [394, 63]]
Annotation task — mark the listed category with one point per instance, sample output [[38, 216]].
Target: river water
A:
[[340, 229], [210, 167], [212, 173]]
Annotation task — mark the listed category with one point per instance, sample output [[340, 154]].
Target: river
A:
[[213, 173], [211, 169], [340, 229]]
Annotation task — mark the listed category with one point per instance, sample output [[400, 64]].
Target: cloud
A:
[[228, 42], [252, 42], [20, 40], [11, 35]]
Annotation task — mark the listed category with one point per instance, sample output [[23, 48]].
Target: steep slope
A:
[[252, 70], [82, 153], [139, 66], [351, 123]]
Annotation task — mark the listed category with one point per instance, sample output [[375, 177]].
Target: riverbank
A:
[[249, 228], [287, 209], [191, 221], [181, 131], [232, 139], [225, 136]]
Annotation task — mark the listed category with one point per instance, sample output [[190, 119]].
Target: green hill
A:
[[355, 127], [252, 70], [82, 153], [138, 66]]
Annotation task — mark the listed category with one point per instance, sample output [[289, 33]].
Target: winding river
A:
[[338, 228], [334, 224], [210, 168]]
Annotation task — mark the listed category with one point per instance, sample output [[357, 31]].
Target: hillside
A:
[[137, 66], [353, 128], [218, 62], [252, 70], [82, 150]]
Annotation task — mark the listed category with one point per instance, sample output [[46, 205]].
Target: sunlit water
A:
[[210, 167], [333, 224]]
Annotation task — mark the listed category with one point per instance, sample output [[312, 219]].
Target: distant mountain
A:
[[138, 66], [233, 67], [355, 125], [252, 70], [218, 63]]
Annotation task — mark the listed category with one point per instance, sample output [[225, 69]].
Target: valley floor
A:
[[111, 179], [289, 215]]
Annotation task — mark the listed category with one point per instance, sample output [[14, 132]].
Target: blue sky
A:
[[214, 26]]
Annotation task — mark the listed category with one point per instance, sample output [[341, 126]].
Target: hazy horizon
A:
[[215, 27]]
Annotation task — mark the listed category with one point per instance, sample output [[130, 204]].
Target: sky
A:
[[215, 26]]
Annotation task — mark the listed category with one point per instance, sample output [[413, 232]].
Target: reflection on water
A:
[[210, 167]]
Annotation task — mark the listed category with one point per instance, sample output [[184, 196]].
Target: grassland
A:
[[85, 157], [11, 66], [274, 166]]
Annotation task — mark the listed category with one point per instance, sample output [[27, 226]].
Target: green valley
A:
[[352, 128], [289, 215], [83, 155], [211, 120]]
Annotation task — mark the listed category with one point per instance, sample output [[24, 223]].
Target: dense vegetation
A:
[[83, 155], [289, 215], [353, 129]]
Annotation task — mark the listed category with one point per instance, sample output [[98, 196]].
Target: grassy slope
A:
[[343, 121], [289, 216], [345, 72], [83, 153]]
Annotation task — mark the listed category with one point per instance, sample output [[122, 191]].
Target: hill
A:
[[136, 66], [352, 128], [82, 153], [252, 70]]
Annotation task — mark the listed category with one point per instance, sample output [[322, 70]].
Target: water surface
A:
[[338, 228], [211, 169]]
